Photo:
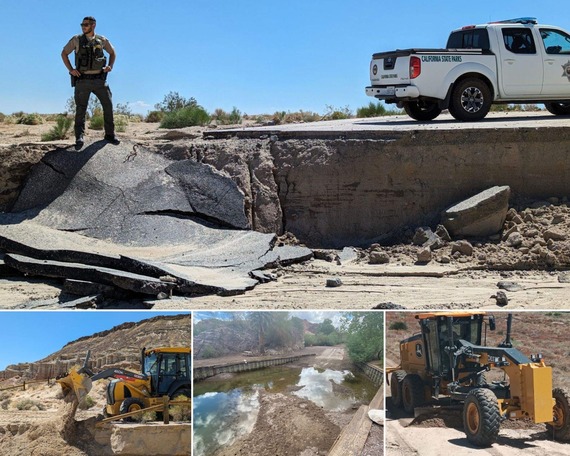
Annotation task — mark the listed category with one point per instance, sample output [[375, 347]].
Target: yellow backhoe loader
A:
[[165, 371], [449, 359]]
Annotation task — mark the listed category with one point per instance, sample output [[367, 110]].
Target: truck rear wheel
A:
[[481, 417], [422, 110], [470, 100], [412, 392], [396, 387], [560, 428], [558, 109]]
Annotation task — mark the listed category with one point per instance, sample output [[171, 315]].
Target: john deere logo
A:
[[566, 68]]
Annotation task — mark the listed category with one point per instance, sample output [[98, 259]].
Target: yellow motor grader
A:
[[165, 371], [449, 359]]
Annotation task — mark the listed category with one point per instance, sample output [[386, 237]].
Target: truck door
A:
[[520, 63], [556, 48]]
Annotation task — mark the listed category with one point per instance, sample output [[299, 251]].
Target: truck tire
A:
[[481, 417], [396, 387], [470, 100], [412, 392], [560, 428], [130, 404], [558, 109], [422, 110]]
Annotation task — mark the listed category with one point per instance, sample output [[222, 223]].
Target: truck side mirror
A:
[[492, 325]]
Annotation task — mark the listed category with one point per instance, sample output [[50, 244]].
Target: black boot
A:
[[79, 142], [112, 139]]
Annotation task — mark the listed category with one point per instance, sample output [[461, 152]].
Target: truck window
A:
[[519, 41], [555, 41], [469, 39]]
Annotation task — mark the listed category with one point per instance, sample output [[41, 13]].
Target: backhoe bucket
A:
[[79, 384]]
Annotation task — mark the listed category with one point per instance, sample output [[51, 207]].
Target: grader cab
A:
[[450, 359]]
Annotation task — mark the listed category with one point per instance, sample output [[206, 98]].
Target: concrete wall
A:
[[351, 191], [373, 372], [200, 373]]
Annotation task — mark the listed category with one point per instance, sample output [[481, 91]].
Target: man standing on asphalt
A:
[[89, 76]]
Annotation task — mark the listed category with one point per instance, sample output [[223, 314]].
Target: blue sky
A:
[[260, 56], [32, 335]]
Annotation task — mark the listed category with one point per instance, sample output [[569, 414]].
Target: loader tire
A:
[[396, 387], [412, 392], [131, 404], [481, 417], [560, 428]]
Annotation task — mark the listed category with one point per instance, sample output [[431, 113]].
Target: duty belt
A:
[[92, 76]]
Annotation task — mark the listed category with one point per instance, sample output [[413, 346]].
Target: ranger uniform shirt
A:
[[73, 45]]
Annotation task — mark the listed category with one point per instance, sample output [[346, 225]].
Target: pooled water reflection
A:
[[227, 409]]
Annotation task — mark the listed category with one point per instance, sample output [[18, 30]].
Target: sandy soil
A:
[[291, 426]]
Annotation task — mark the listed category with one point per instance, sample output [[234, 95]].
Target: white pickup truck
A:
[[513, 61]]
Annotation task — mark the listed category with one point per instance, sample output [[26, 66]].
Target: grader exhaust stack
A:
[[77, 380]]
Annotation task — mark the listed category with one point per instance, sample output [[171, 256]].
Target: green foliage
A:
[[209, 352], [365, 335], [97, 122], [325, 340], [124, 109], [326, 327], [372, 110], [173, 101], [154, 116], [29, 404], [333, 113], [93, 106], [60, 130], [515, 108], [86, 403], [2, 117], [185, 117], [181, 412], [30, 119], [223, 118], [398, 325], [148, 416], [121, 122]]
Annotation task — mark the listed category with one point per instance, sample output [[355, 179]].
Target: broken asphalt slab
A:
[[127, 209]]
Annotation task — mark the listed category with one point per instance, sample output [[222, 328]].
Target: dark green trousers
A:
[[83, 89]]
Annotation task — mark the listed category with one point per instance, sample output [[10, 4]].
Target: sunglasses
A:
[[87, 24]]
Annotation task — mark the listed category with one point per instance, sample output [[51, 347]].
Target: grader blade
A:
[[79, 384]]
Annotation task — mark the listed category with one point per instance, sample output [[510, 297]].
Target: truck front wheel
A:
[[481, 417], [422, 110], [470, 100], [558, 109]]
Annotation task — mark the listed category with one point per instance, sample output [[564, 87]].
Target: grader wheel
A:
[[396, 387], [412, 392], [560, 428], [481, 417]]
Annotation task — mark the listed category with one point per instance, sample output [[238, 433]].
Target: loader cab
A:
[[441, 333], [167, 369]]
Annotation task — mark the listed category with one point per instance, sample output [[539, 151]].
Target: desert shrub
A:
[[30, 119], [279, 117], [398, 325], [60, 130], [173, 101], [86, 403], [121, 122], [223, 118], [29, 404], [181, 412], [209, 352], [372, 110], [124, 109], [136, 118], [154, 116], [97, 122], [148, 416], [333, 113], [2, 117], [185, 117]]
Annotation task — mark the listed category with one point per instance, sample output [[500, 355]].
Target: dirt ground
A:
[[291, 426]]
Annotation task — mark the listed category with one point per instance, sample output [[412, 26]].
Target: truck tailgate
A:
[[393, 68]]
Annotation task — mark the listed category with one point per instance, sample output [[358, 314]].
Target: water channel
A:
[[227, 409]]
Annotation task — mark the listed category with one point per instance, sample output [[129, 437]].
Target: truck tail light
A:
[[415, 67]]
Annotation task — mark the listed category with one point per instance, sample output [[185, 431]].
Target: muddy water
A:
[[227, 409]]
